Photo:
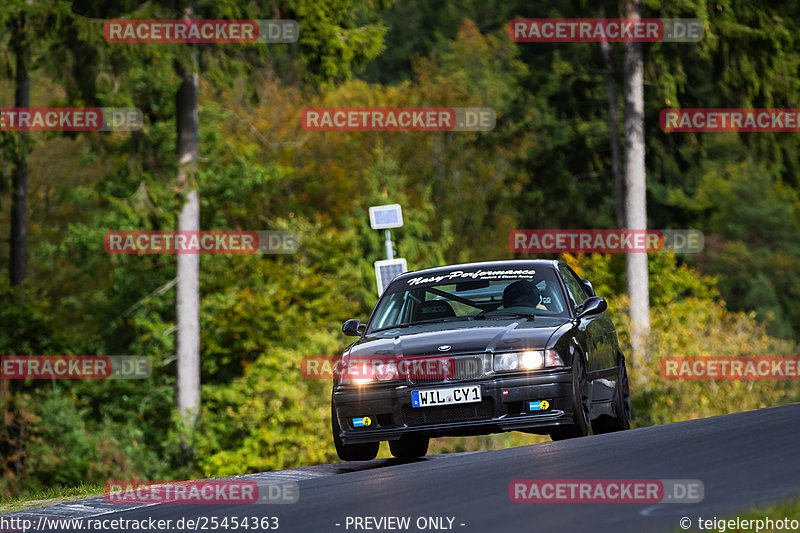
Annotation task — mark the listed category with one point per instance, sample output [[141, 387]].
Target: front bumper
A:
[[505, 406]]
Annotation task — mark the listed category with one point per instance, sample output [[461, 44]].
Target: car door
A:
[[597, 327]]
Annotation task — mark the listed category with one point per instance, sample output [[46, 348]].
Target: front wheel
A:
[[622, 406], [351, 452], [581, 404], [409, 447]]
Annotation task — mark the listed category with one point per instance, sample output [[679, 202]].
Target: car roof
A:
[[509, 264]]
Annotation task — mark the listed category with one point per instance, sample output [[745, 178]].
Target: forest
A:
[[549, 162]]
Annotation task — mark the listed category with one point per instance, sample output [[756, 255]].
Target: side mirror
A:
[[352, 327], [589, 286], [594, 305]]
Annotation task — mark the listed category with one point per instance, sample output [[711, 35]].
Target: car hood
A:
[[492, 337]]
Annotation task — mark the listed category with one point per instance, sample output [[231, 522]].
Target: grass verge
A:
[[49, 496]]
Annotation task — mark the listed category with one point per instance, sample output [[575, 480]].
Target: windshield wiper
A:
[[515, 314], [423, 322]]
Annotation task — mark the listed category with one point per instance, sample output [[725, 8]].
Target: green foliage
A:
[[698, 327], [28, 322], [546, 165], [337, 36], [64, 445], [689, 319], [270, 418], [753, 243]]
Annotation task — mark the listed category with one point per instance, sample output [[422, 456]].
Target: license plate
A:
[[449, 396]]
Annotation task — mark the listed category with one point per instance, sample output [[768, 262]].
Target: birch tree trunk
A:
[[188, 265], [635, 198]]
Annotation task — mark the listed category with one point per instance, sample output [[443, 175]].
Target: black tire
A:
[[409, 447], [351, 452], [581, 402], [622, 406]]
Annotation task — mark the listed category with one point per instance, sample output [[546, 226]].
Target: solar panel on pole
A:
[[386, 216], [388, 269]]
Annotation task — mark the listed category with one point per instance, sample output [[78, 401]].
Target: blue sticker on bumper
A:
[[362, 422], [542, 405]]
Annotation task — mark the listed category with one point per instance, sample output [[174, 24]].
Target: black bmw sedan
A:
[[479, 348]]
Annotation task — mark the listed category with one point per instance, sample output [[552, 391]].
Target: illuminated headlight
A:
[[531, 360], [357, 371], [527, 360], [363, 371], [356, 380]]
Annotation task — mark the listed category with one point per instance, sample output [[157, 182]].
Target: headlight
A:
[[531, 360], [357, 371], [527, 360], [506, 361], [363, 370]]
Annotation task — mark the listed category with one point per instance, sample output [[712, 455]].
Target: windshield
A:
[[469, 295]]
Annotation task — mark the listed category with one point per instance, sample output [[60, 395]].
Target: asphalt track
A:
[[742, 459]]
